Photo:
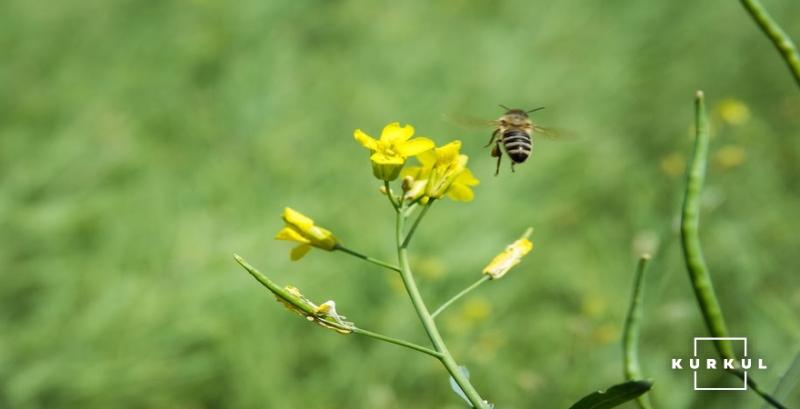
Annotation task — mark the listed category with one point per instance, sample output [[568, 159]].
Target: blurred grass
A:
[[141, 143]]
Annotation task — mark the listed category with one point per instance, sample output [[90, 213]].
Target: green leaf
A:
[[613, 396]]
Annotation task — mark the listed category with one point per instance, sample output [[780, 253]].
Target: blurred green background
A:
[[144, 142]]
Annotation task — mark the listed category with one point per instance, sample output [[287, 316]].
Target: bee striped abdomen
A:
[[518, 145]]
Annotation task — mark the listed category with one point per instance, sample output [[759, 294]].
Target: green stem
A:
[[690, 221], [366, 258], [397, 341], [428, 323], [779, 38], [463, 292], [390, 196], [416, 223], [630, 338]]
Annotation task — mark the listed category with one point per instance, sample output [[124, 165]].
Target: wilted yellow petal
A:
[[299, 251], [365, 140], [510, 257], [394, 133], [414, 146]]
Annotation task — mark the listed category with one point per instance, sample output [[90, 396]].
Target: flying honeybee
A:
[[513, 135]]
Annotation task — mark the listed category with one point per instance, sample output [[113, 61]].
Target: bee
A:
[[513, 135]]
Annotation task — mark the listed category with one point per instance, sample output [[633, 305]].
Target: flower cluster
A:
[[443, 170]]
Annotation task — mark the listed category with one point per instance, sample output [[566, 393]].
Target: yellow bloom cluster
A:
[[510, 257], [443, 170]]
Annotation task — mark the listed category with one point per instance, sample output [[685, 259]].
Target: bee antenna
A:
[[505, 107], [535, 109]]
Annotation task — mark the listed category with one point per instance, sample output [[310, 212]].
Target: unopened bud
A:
[[408, 183]]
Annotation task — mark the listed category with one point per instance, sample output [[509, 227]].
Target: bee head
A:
[[519, 113]]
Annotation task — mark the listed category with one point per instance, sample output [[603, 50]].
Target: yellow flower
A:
[[390, 152], [510, 257], [730, 156], [443, 172], [733, 111], [301, 229]]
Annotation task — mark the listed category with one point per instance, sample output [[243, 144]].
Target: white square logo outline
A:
[[694, 354]]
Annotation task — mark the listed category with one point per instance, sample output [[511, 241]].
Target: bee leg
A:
[[494, 135], [499, 157], [512, 167]]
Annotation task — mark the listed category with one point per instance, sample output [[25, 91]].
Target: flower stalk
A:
[[462, 293], [427, 320], [367, 258], [411, 231]]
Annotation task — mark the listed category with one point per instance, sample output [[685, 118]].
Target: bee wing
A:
[[468, 122], [551, 133]]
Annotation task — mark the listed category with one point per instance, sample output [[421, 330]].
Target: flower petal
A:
[[449, 152], [299, 251], [461, 193], [290, 234], [384, 159], [365, 140], [428, 158], [466, 178], [395, 133], [295, 218], [414, 146]]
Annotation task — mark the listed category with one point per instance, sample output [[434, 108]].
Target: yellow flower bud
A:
[[510, 257], [301, 229]]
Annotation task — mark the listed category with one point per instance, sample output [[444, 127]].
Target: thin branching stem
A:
[[630, 337], [416, 223], [367, 258], [390, 196], [398, 341], [462, 293], [427, 321], [779, 38]]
